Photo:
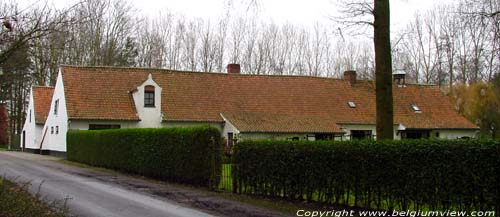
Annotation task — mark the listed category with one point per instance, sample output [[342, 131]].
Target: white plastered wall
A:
[[275, 136], [56, 141], [453, 134], [151, 117], [32, 136]]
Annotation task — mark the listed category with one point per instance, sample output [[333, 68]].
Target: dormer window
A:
[[415, 108], [149, 96], [351, 104]]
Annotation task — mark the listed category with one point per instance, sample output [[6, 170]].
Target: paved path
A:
[[87, 196]]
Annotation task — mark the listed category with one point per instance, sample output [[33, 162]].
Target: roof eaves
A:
[[445, 128], [279, 131], [103, 119], [193, 120]]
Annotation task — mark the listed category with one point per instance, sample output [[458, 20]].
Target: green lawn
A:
[[226, 182]]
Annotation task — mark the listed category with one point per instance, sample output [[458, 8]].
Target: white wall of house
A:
[[275, 136], [32, 137], [453, 134], [151, 117], [229, 128], [57, 123], [371, 127]]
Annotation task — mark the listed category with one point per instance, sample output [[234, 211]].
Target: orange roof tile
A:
[[103, 93], [282, 123], [42, 97]]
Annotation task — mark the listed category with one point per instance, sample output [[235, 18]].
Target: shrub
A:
[[187, 155], [407, 174]]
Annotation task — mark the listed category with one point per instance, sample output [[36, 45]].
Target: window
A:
[[415, 134], [324, 136], [30, 115], [57, 129], [415, 108], [361, 134], [295, 138], [103, 126], [51, 130], [149, 96], [351, 104], [56, 105]]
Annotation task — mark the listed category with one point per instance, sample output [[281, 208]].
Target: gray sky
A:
[[303, 12]]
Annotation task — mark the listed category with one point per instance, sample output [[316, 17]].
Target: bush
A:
[[187, 155], [407, 174]]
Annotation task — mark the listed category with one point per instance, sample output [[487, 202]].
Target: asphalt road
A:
[[86, 196]]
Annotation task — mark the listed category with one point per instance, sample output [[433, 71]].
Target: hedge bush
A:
[[187, 155], [407, 174]]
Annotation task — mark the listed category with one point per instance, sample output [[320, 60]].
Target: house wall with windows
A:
[[453, 134], [370, 131], [276, 136], [56, 125]]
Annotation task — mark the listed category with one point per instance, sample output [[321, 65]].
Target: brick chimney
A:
[[399, 77], [233, 68], [350, 76]]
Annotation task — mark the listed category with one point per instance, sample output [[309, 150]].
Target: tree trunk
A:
[[383, 70]]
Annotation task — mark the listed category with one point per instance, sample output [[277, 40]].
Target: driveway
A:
[[96, 193]]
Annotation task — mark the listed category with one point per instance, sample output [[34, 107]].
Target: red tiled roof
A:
[[103, 93], [42, 97], [282, 123]]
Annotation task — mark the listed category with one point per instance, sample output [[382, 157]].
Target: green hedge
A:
[[187, 155], [408, 174]]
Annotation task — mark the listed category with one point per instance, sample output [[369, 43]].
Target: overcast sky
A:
[[304, 12]]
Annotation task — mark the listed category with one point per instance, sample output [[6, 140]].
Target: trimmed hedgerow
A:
[[187, 155], [407, 174]]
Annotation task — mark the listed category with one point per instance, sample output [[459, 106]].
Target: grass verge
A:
[[16, 201], [82, 165]]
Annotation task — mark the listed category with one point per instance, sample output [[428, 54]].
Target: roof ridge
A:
[[200, 72], [49, 87]]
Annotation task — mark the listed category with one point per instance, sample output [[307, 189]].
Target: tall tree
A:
[[383, 69]]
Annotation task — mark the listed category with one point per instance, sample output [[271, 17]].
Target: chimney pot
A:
[[233, 68], [350, 76]]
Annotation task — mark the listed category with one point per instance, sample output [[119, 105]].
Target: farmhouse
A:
[[241, 106], [36, 115]]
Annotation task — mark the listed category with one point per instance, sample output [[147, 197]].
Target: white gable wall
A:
[[32, 137], [229, 128], [151, 117], [56, 141]]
